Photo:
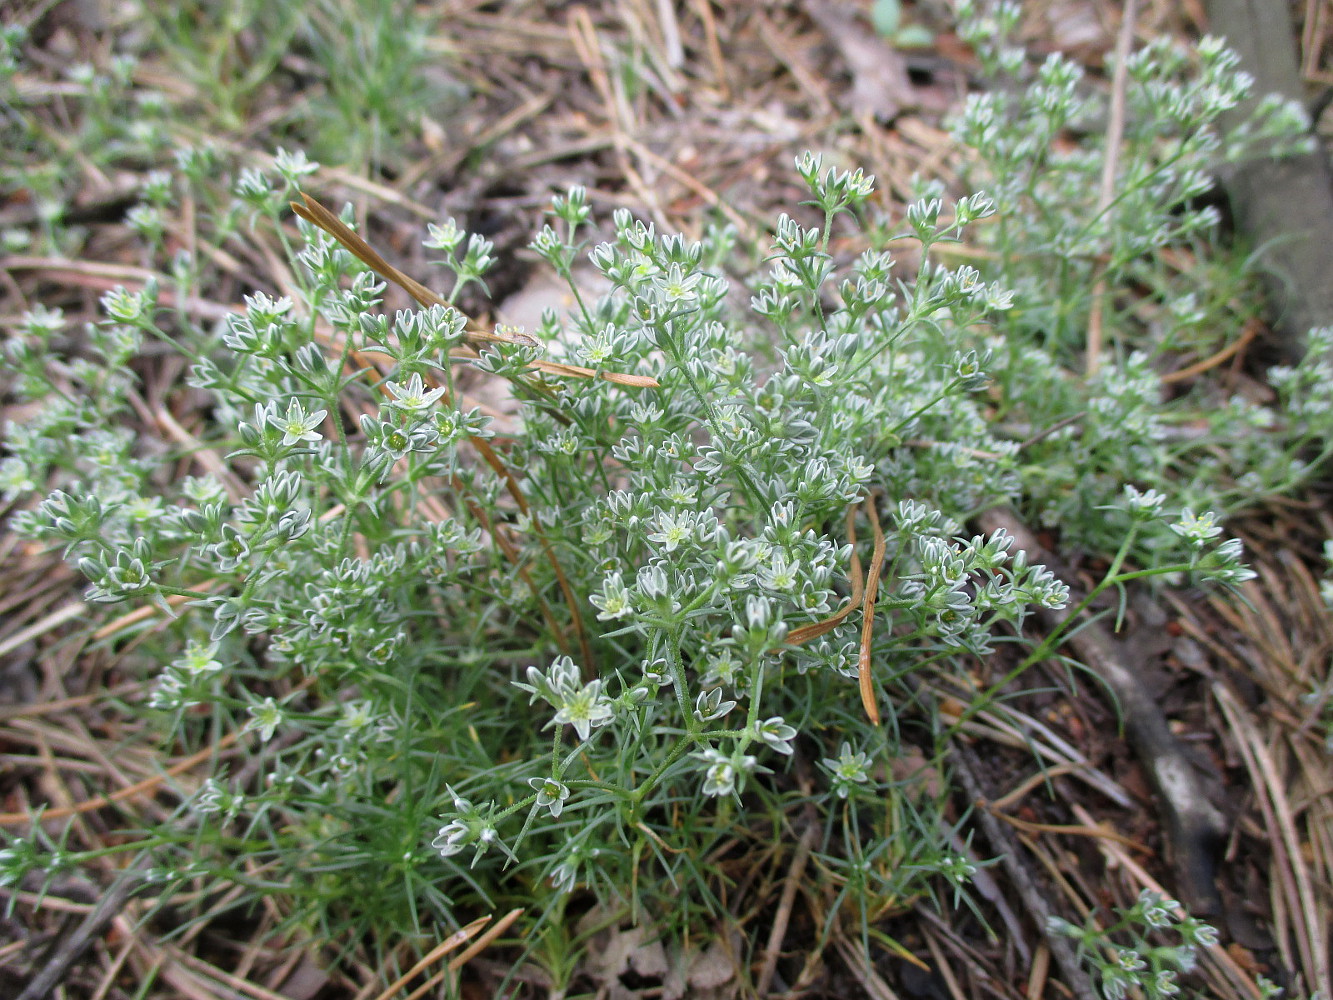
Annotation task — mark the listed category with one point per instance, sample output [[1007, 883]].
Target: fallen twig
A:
[[1194, 827]]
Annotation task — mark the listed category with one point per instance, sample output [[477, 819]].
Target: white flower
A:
[[451, 839], [551, 794], [565, 876], [412, 396], [1197, 528], [678, 286], [776, 733], [297, 425], [199, 659], [585, 708], [265, 718], [208, 800], [848, 769]]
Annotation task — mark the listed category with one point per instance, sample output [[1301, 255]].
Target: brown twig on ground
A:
[[963, 761], [1249, 331], [1193, 824], [74, 945]]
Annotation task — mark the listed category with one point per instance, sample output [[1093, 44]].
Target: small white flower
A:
[[678, 286], [672, 530], [551, 794], [357, 716], [565, 876], [1143, 506], [584, 709], [1197, 528], [208, 800], [614, 601], [199, 658], [412, 396], [297, 425], [776, 733], [445, 237], [720, 779], [1130, 960], [848, 769], [265, 719], [451, 838], [1157, 912], [709, 706], [293, 166]]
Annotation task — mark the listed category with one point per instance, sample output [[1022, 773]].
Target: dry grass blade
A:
[[70, 612], [317, 215], [578, 371], [1248, 333], [1020, 730], [858, 964], [865, 680], [1293, 881], [455, 940], [1095, 832], [1280, 638], [478, 946], [782, 917], [66, 704], [212, 978], [945, 968], [129, 792], [146, 611]]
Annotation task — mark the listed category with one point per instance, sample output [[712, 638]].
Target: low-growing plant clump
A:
[[695, 577]]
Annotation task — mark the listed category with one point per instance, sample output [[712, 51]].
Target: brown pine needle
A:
[[128, 792], [864, 679], [1248, 332], [317, 215], [482, 942], [455, 940]]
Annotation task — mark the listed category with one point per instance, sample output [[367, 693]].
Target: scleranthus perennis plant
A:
[[574, 647], [1036, 142], [574, 651]]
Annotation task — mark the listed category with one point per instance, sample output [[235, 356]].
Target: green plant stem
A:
[[1057, 635]]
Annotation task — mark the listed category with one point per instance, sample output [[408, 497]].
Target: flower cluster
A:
[[1054, 239]]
